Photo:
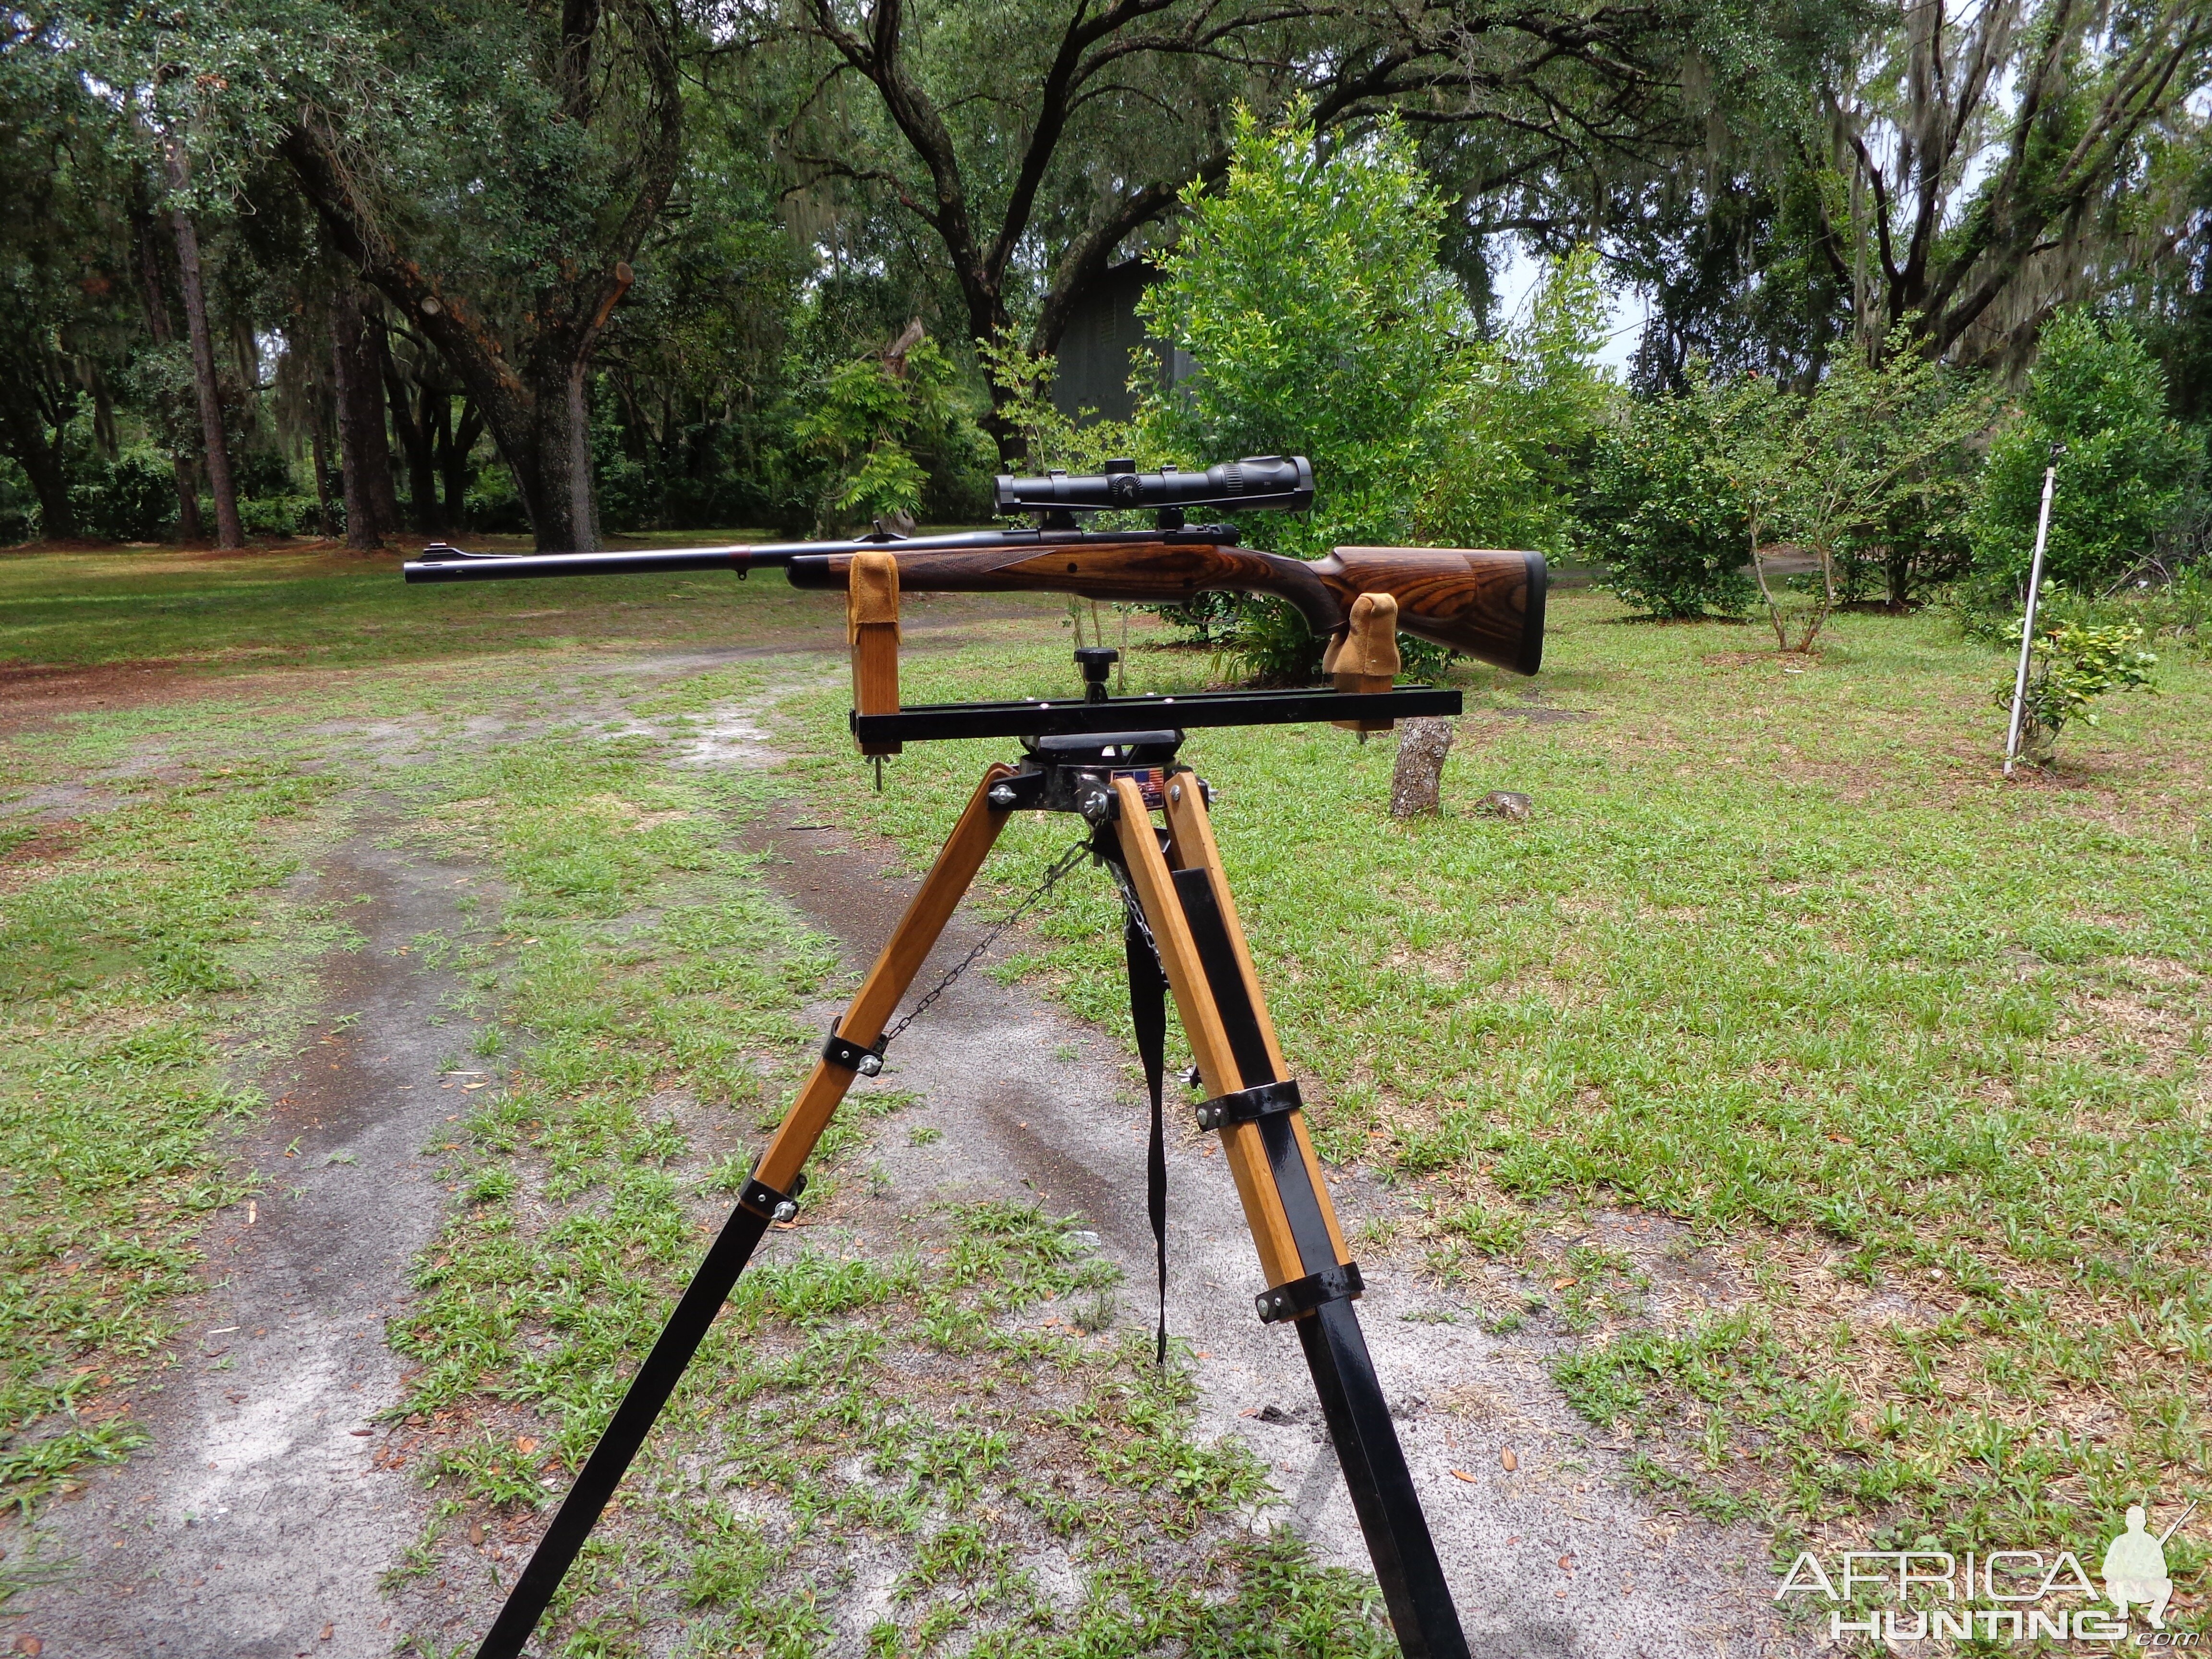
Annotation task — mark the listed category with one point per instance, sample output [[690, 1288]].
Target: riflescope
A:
[[1284, 482]]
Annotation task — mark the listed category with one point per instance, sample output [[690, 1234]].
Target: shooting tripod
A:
[[1182, 918]]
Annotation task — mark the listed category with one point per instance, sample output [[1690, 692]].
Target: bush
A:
[[2123, 476], [2071, 664], [495, 506], [1661, 510], [19, 505], [276, 515], [132, 498]]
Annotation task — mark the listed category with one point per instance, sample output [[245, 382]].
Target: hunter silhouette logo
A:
[[2002, 1595], [2135, 1568]]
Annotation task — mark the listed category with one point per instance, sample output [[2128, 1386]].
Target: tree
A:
[[2124, 466], [1519, 433], [1875, 449], [176, 165], [1034, 142], [357, 390], [1308, 291], [1984, 158], [506, 238], [56, 295]]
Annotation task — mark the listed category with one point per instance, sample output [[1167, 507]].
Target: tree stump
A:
[[1423, 743]]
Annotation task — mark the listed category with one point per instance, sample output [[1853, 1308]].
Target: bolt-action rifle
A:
[[1486, 603]]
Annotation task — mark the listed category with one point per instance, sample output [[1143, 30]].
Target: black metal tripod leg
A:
[[1381, 1487], [777, 1175], [633, 1420]]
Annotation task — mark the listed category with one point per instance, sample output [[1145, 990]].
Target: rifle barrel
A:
[[442, 563]]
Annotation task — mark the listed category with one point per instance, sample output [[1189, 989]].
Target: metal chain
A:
[[1135, 907], [1067, 861]]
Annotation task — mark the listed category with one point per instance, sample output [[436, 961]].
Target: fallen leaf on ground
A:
[[1508, 1459], [1462, 1474], [526, 1443]]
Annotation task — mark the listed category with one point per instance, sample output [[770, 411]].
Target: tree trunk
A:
[[364, 459], [156, 301], [23, 429], [415, 442], [455, 446], [375, 364], [228, 532], [189, 527], [1899, 572], [557, 486], [325, 520], [360, 421]]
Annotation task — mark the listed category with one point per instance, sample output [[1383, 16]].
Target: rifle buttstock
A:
[[1485, 603]]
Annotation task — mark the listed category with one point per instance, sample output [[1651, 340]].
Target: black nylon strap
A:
[[633, 1420], [1148, 1013]]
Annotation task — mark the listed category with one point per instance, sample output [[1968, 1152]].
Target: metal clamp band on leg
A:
[[763, 1201], [1249, 1105], [846, 1052], [1301, 1296]]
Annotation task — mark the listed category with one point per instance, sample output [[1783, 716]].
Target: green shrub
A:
[[277, 515], [2070, 665], [1661, 510], [132, 498], [19, 505], [495, 506], [881, 434], [2124, 475]]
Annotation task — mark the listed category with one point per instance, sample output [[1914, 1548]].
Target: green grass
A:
[[1918, 1056], [1839, 1110], [128, 957], [271, 609]]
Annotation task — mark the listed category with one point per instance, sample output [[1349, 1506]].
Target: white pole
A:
[[2027, 623]]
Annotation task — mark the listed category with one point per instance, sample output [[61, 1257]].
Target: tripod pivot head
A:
[[1096, 661]]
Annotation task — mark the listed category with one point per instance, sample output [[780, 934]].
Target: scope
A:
[[1279, 482]]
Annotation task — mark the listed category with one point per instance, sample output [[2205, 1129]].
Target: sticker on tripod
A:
[[2005, 1596], [1150, 781]]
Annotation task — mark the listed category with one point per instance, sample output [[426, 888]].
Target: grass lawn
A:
[[1780, 961], [1837, 1111]]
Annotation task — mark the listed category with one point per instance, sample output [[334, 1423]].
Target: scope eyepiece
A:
[[1283, 483]]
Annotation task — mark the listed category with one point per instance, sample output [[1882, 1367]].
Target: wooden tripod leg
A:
[[899, 961], [1209, 967], [776, 1175]]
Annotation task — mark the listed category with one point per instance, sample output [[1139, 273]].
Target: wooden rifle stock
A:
[[1485, 603]]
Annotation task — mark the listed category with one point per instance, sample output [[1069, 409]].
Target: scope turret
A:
[[1284, 482]]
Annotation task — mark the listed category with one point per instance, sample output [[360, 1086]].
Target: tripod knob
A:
[[1096, 661]]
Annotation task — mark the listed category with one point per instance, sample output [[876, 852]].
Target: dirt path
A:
[[257, 1522]]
